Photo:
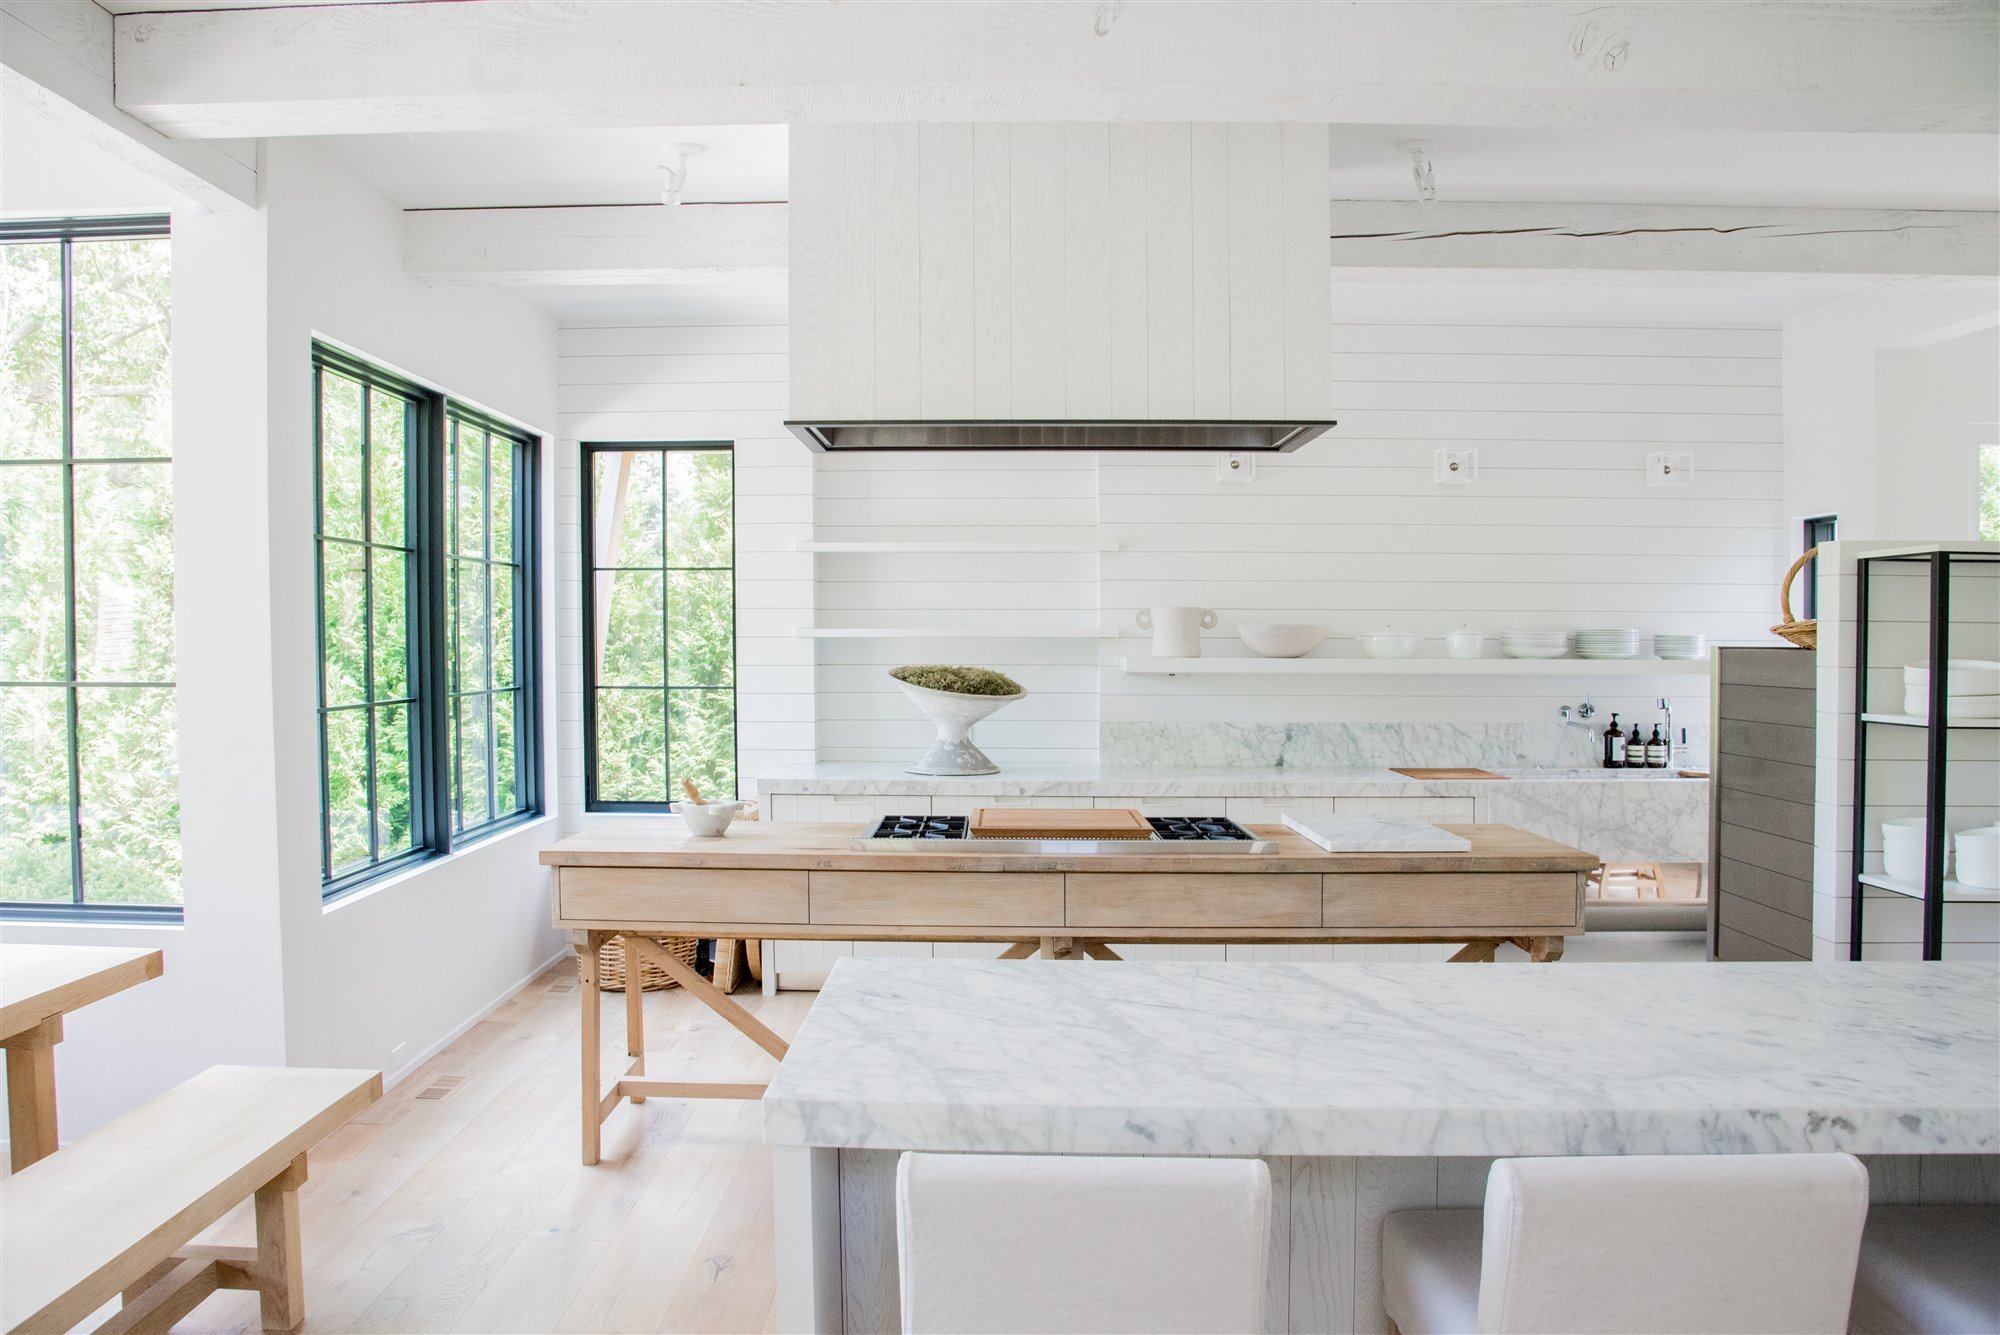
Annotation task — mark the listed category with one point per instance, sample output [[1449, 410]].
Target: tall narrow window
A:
[[660, 604], [89, 780], [484, 464], [427, 560]]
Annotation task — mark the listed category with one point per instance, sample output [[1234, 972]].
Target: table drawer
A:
[[640, 896], [1453, 899], [1195, 899], [938, 899]]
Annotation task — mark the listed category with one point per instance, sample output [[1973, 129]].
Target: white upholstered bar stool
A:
[[1696, 1243], [1031, 1243], [1929, 1270]]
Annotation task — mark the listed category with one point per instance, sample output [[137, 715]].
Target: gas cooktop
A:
[[1201, 834]]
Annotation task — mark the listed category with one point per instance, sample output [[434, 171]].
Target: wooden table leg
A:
[[1060, 948], [635, 1014], [280, 1262], [31, 1092], [1020, 950], [1475, 952], [700, 989], [1541, 949], [593, 1116]]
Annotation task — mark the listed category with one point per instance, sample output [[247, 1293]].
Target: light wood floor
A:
[[458, 1203]]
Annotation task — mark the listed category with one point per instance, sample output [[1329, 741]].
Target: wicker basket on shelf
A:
[[652, 978], [1804, 634]]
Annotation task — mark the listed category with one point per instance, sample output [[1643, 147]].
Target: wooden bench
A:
[[112, 1213]]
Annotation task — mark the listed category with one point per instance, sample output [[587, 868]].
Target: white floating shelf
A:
[[937, 633], [946, 547], [1137, 665], [1954, 891], [1919, 721]]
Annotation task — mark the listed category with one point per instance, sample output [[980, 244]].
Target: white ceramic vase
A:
[[1176, 630], [954, 714]]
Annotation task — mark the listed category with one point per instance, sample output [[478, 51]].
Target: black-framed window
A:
[[428, 626], [89, 772], [659, 608], [1818, 529]]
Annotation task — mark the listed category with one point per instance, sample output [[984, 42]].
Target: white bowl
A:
[[1388, 644], [1979, 857], [710, 819], [1960, 707], [1963, 676], [1903, 848], [1281, 639], [1534, 643], [1679, 646], [1464, 643]]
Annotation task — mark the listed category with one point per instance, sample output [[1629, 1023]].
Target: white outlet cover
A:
[[1236, 468], [1670, 468], [1458, 467]]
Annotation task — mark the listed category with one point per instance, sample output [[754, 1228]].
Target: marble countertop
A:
[[1400, 1059], [1163, 781]]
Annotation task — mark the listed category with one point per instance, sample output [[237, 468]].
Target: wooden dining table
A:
[[38, 986]]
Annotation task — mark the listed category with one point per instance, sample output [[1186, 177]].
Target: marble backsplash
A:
[[1369, 745]]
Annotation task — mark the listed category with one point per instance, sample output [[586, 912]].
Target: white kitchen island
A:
[[1368, 1088]]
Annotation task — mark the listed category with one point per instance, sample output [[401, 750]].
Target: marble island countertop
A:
[[1426, 1060], [1165, 781]]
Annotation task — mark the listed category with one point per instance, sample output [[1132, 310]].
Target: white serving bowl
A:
[[1534, 643], [1903, 848], [1979, 857], [1680, 646], [710, 819], [1281, 639], [1963, 676], [1956, 707], [1388, 644], [1464, 643]]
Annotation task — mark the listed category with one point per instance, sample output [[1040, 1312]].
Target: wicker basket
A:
[[652, 978], [1804, 634]]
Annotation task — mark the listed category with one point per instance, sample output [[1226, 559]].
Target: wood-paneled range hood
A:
[[1060, 287]]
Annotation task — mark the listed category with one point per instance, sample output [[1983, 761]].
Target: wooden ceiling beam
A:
[[1807, 65]]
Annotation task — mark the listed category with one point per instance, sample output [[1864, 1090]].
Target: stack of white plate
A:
[[1679, 646], [1607, 643], [1972, 690], [1534, 643]]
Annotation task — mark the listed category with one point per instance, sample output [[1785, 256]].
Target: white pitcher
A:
[[1176, 630]]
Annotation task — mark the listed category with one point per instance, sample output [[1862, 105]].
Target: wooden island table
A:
[[802, 882]]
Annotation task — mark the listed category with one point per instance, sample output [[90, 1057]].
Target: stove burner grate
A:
[[1198, 827], [921, 827]]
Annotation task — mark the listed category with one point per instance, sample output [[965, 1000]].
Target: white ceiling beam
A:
[[1688, 242], [55, 57], [1839, 65], [686, 243]]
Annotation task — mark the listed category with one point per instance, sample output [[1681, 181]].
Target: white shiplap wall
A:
[[687, 383], [1560, 530]]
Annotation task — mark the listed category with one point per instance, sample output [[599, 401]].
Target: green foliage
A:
[[120, 563], [666, 599], [957, 680], [1989, 493]]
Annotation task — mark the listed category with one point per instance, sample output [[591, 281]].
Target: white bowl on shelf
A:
[[1281, 639], [1979, 857], [1957, 708], [1903, 843], [1534, 643], [1388, 644], [1963, 676], [1680, 646]]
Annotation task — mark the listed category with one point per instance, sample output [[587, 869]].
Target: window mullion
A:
[[368, 611], [486, 626], [72, 706], [440, 712]]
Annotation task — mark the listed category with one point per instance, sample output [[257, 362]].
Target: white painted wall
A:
[[1864, 447], [260, 972], [413, 959], [1934, 407], [1561, 530]]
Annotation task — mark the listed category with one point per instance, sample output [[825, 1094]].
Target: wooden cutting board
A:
[[1446, 773], [1058, 823]]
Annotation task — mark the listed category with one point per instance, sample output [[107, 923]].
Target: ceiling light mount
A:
[[1421, 169], [676, 169]]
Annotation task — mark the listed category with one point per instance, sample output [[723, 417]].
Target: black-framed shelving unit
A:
[[1936, 890]]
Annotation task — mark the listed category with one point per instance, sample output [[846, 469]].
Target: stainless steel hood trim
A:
[[1214, 436]]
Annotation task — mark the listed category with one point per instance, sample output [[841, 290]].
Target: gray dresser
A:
[[1762, 823]]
